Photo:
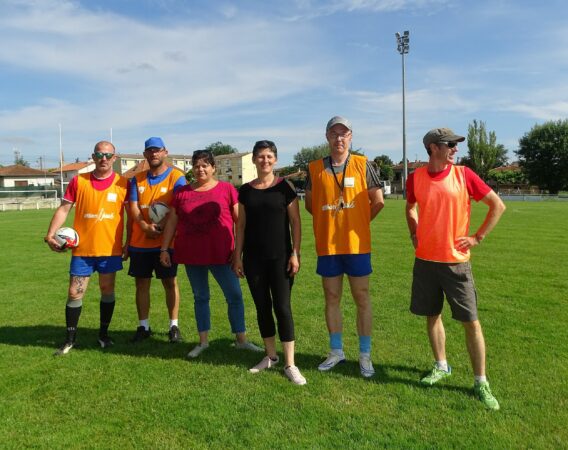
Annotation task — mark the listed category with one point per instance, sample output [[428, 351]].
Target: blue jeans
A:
[[229, 284]]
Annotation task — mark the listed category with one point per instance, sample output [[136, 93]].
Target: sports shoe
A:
[[197, 350], [141, 334], [105, 341], [248, 345], [483, 394], [334, 358], [266, 363], [65, 348], [366, 366], [293, 373], [435, 375], [174, 335]]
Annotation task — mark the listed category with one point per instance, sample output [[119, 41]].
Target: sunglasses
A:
[[101, 155], [449, 144]]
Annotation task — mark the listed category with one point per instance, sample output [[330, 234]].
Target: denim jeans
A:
[[229, 283]]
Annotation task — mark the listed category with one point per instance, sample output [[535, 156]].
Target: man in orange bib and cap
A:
[[438, 215]]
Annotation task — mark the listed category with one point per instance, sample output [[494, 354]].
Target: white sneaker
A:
[[248, 345], [293, 373], [265, 363], [333, 359], [197, 350], [366, 366]]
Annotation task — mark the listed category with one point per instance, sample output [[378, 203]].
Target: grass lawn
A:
[[149, 396]]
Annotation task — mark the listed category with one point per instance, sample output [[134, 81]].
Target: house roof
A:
[[23, 171], [75, 166], [513, 167], [411, 165]]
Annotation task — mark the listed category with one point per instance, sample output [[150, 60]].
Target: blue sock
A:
[[365, 344], [336, 341]]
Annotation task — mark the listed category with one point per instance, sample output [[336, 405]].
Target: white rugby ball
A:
[[67, 238], [158, 211]]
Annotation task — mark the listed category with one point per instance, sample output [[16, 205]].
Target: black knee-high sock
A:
[[72, 314], [107, 309]]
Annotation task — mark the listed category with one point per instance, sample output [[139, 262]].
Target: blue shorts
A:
[[353, 265], [84, 266]]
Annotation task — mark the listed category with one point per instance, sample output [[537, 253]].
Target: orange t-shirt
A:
[[444, 212], [99, 217], [346, 230]]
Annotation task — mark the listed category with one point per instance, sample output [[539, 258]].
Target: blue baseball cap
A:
[[154, 142]]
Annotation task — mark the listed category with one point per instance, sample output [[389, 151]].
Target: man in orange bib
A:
[[158, 184], [439, 194], [343, 194], [99, 199]]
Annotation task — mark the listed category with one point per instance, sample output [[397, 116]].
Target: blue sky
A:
[[196, 72]]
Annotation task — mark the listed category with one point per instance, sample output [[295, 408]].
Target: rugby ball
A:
[[158, 211], [67, 238]]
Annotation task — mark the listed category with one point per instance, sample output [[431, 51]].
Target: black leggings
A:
[[270, 286]]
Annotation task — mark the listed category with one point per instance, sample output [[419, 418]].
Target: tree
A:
[[19, 159], [384, 163], [543, 155], [307, 154], [484, 153], [507, 177], [218, 148]]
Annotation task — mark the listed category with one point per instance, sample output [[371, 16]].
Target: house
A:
[[70, 170], [22, 176], [131, 163], [398, 169], [236, 168], [143, 166]]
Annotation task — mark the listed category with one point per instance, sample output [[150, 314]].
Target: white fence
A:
[[32, 199]]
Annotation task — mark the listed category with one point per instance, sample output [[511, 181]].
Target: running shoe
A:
[[334, 358], [435, 375], [294, 375], [266, 363]]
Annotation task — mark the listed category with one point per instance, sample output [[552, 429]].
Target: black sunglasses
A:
[[99, 155], [449, 144]]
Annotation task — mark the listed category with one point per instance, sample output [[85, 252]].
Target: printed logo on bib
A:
[[141, 189], [111, 197], [163, 189], [349, 182]]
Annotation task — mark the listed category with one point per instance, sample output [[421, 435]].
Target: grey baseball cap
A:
[[338, 120], [436, 135]]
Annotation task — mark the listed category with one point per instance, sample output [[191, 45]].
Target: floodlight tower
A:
[[403, 47]]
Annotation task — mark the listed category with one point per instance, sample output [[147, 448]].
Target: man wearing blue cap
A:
[[155, 185]]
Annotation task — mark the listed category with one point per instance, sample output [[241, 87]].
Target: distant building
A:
[[131, 163], [22, 176], [396, 184], [70, 170], [236, 168]]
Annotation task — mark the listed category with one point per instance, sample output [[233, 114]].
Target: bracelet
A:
[[295, 253], [164, 251]]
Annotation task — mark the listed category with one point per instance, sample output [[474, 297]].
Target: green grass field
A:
[[149, 396]]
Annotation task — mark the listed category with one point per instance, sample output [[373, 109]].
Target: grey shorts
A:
[[431, 280]]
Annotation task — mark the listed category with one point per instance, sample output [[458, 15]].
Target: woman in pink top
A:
[[202, 218]]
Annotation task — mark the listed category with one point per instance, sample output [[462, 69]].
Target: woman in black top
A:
[[268, 210]]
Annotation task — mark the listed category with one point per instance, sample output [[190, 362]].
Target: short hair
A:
[[101, 143], [262, 145], [205, 155]]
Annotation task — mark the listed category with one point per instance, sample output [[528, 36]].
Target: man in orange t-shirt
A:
[[99, 199], [439, 194]]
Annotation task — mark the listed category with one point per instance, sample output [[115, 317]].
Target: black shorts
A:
[[432, 280], [143, 264]]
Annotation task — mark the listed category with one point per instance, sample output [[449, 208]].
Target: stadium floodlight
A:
[[403, 47]]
